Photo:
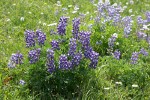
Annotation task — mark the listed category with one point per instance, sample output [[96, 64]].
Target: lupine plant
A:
[[99, 51]]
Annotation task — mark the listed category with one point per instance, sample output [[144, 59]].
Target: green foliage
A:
[[81, 82]]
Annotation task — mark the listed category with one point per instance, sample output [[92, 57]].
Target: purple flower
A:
[[148, 39], [75, 31], [50, 61], [134, 57], [55, 45], [116, 19], [29, 38], [61, 28], [17, 58], [111, 11], [87, 52], [141, 35], [127, 22], [76, 59], [64, 64], [112, 40], [34, 55], [84, 38], [127, 31], [94, 59], [143, 51], [22, 82], [117, 54], [148, 16], [72, 47], [41, 37], [140, 21]]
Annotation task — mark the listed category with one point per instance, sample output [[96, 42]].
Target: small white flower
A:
[[132, 15], [145, 27], [118, 83], [22, 19], [135, 86], [58, 3], [74, 11], [22, 82], [76, 8], [117, 43], [14, 4], [115, 4], [115, 35], [131, 2], [130, 10], [95, 11], [102, 37], [127, 3], [39, 22], [69, 6], [7, 20], [87, 12], [44, 24], [30, 12], [124, 7], [95, 5], [53, 24], [107, 88], [42, 13], [8, 12]]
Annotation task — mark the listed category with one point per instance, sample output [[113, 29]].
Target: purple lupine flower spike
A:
[[17, 58], [50, 61], [94, 59], [117, 54], [112, 40], [148, 16], [87, 52], [34, 55], [41, 37], [140, 21], [143, 51], [84, 38], [29, 38], [64, 64], [61, 28], [76, 59], [55, 45], [72, 47], [75, 31], [127, 22], [134, 57]]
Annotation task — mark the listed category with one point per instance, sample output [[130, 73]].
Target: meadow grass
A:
[[91, 84]]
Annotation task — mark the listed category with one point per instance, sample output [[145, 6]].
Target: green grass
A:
[[91, 84]]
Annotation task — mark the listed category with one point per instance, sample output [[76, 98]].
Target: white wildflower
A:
[[53, 24], [44, 24], [118, 83], [107, 88], [22, 19], [30, 12], [7, 20], [74, 11], [130, 10], [69, 6], [135, 86], [76, 8]]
